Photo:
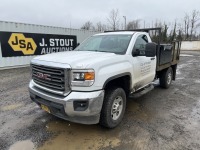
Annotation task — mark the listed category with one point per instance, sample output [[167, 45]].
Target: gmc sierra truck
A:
[[91, 84]]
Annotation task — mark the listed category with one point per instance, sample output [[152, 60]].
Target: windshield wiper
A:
[[104, 51], [94, 50]]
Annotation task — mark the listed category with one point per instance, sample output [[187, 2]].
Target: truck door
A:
[[144, 67]]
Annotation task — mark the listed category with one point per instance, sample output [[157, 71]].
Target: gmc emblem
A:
[[43, 76]]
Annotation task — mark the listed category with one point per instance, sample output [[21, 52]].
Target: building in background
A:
[[20, 42], [190, 45]]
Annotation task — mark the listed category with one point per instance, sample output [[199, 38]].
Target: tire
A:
[[166, 78], [114, 106]]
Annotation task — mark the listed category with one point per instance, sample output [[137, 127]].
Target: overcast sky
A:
[[62, 12]]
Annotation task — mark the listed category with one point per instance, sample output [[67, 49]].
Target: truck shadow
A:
[[78, 136], [84, 137], [133, 131]]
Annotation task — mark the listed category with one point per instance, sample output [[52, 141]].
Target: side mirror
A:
[[150, 49], [135, 53]]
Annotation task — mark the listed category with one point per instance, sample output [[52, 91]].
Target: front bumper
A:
[[64, 106]]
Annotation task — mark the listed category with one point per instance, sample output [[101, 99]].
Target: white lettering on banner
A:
[[42, 43], [56, 45], [49, 50], [57, 42], [51, 42], [61, 42]]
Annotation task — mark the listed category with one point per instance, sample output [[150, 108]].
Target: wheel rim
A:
[[169, 78], [117, 107]]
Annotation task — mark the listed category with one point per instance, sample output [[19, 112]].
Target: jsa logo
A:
[[19, 42]]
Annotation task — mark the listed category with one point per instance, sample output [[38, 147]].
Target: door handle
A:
[[152, 58]]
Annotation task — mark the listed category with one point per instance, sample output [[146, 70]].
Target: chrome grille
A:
[[50, 78]]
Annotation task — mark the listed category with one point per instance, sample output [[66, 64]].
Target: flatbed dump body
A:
[[167, 57]]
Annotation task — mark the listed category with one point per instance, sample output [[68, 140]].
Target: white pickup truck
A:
[[91, 84]]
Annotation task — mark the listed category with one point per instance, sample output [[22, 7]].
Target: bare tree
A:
[[135, 24], [173, 37], [194, 18], [180, 31], [198, 25], [186, 25], [113, 19], [100, 26], [87, 26], [164, 33], [122, 26], [157, 24]]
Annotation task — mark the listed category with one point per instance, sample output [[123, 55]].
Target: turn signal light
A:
[[89, 76]]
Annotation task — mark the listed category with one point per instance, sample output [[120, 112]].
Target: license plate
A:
[[45, 108]]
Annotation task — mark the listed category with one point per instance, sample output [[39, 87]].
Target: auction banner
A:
[[25, 44]]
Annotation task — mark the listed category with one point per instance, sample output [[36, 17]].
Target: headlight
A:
[[82, 77]]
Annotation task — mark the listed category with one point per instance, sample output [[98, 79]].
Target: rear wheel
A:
[[166, 78], [113, 107]]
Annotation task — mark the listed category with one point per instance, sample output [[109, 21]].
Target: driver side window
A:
[[140, 44]]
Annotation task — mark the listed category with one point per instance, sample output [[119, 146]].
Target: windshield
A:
[[117, 44]]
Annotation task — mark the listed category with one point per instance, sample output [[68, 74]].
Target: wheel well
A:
[[123, 82], [174, 67]]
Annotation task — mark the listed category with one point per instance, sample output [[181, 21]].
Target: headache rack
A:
[[167, 54]]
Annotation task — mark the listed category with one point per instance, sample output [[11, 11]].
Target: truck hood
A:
[[77, 59]]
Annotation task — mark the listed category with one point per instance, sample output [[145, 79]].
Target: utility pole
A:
[[125, 22]]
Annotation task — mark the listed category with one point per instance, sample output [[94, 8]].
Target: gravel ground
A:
[[161, 119]]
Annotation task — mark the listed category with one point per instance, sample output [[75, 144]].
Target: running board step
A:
[[142, 91]]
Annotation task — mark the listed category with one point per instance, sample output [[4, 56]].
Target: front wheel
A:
[[113, 107], [166, 78]]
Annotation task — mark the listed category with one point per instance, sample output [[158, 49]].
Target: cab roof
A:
[[117, 33], [131, 32]]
